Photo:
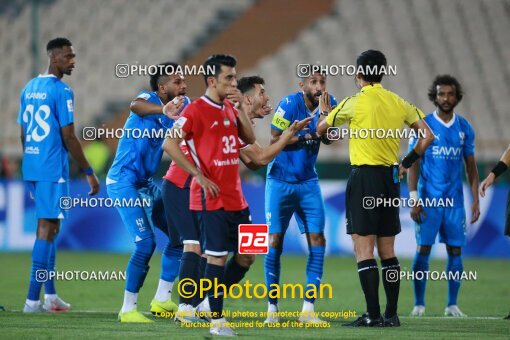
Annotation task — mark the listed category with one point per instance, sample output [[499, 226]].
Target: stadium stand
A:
[[101, 43], [464, 38], [422, 38]]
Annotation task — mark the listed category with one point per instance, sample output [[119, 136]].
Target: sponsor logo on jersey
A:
[[445, 151]]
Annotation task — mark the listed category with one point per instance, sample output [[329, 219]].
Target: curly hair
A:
[[445, 79]]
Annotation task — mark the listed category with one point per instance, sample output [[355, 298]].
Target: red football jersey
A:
[[212, 139], [176, 175]]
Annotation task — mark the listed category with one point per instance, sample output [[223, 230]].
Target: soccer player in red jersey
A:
[[212, 128], [176, 189]]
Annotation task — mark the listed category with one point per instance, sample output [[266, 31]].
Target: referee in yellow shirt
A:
[[374, 176]]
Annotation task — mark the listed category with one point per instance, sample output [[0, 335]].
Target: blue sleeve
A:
[[148, 96], [283, 115], [153, 98], [65, 106], [469, 141]]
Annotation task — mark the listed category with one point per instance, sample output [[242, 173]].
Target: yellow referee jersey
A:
[[374, 108]]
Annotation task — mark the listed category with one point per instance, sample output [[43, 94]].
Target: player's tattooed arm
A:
[[171, 109], [259, 157], [472, 175], [73, 145], [171, 147], [501, 167]]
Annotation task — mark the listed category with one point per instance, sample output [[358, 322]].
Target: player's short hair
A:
[[445, 79], [159, 76], [216, 60], [246, 84], [369, 60], [57, 43]]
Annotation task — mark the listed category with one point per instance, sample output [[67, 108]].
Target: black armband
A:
[[326, 140], [410, 159], [499, 168]]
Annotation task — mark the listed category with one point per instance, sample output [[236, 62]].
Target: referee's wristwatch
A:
[[324, 113]]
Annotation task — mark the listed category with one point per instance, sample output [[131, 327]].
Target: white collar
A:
[[47, 75], [210, 102], [450, 123]]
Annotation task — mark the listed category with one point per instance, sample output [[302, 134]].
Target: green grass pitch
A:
[[95, 304]]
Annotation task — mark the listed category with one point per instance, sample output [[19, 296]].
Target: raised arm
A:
[[142, 107]]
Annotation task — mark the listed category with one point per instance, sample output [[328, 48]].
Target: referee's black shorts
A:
[[366, 184]]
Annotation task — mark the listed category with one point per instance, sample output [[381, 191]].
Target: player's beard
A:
[[448, 109], [312, 98]]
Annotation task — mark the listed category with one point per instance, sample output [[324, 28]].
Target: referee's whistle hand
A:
[[487, 183]]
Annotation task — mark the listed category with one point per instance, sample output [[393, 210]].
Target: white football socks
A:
[[129, 301], [50, 297], [271, 308], [32, 303], [164, 291], [308, 307]]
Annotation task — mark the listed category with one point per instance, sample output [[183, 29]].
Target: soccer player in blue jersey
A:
[[47, 134], [130, 176], [440, 178], [292, 187]]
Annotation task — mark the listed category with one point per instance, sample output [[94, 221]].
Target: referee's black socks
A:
[[391, 282], [369, 278]]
